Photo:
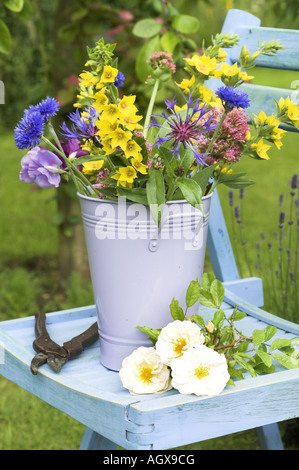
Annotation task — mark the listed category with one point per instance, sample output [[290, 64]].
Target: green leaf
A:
[[5, 38], [14, 5], [295, 342], [217, 291], [155, 192], [206, 299], [150, 332], [279, 343], [266, 358], [185, 24], [146, 28], [237, 316], [191, 190], [286, 361], [270, 332], [236, 373], [198, 319], [168, 41], [192, 294], [207, 279], [143, 70], [176, 311], [245, 364], [27, 11], [234, 180], [258, 337], [134, 194], [202, 176], [218, 318]]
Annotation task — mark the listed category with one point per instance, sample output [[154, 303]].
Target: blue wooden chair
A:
[[94, 395]]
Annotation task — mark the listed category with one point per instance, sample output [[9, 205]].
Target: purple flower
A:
[[71, 149], [233, 98], [82, 128], [41, 166], [184, 129], [29, 130], [119, 81]]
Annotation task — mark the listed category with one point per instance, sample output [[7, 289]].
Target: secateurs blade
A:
[[52, 353]]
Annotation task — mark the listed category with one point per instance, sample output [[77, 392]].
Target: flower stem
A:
[[150, 107]]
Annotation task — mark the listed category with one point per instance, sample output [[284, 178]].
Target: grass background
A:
[[29, 280]]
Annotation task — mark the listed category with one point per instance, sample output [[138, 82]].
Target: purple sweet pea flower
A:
[[42, 167]]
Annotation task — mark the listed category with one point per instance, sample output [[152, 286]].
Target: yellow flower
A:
[[132, 149], [276, 136], [109, 74], [261, 149], [130, 121], [125, 175], [110, 112], [90, 167], [107, 147], [101, 100], [88, 79], [205, 94], [231, 74], [186, 84], [119, 138], [105, 126], [263, 119], [203, 64], [126, 105], [139, 166]]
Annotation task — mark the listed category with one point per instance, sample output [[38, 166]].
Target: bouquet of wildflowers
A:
[[198, 356], [108, 150]]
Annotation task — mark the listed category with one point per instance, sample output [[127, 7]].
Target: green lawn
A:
[[28, 278]]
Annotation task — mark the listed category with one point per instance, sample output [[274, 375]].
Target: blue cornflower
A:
[[30, 129], [119, 81], [48, 107], [184, 130], [82, 127], [233, 98]]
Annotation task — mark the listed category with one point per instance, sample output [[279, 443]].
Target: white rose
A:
[[176, 338], [201, 371], [143, 372]]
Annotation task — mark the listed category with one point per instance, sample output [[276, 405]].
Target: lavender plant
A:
[[277, 259]]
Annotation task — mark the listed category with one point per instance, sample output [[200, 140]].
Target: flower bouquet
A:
[[173, 158], [107, 150], [201, 357]]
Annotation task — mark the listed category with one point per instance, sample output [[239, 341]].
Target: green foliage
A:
[[253, 354]]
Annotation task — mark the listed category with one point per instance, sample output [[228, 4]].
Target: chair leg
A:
[[94, 441], [269, 437]]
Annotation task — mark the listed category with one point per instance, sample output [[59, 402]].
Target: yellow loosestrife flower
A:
[[139, 166], [132, 149], [90, 167], [203, 64], [125, 176], [130, 121], [261, 149], [186, 84], [109, 74], [110, 112], [119, 138], [88, 79], [126, 106]]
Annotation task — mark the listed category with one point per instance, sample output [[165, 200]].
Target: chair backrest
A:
[[248, 29]]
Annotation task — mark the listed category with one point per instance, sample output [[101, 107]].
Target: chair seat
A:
[[94, 395]]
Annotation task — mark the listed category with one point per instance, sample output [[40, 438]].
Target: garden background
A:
[[43, 263]]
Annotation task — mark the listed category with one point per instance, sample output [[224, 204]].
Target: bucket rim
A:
[[98, 200]]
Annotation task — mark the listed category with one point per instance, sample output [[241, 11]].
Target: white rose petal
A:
[[176, 338], [201, 371], [143, 372]]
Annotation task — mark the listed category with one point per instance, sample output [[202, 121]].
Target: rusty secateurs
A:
[[54, 354]]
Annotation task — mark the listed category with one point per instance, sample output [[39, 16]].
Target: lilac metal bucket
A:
[[136, 269]]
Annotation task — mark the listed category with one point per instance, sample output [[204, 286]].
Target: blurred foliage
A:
[[43, 44]]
